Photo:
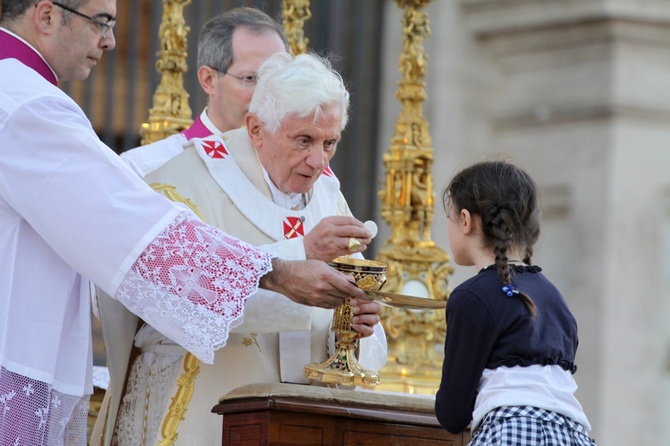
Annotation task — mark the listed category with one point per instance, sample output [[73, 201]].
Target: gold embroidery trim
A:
[[179, 404], [253, 340], [171, 192]]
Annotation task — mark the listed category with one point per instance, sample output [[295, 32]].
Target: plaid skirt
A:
[[529, 426]]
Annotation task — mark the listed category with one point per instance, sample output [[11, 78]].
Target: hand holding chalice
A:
[[343, 366]]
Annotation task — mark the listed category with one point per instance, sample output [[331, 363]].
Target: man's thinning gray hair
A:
[[215, 46], [301, 86]]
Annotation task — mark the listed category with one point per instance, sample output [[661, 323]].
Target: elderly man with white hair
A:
[[269, 184]]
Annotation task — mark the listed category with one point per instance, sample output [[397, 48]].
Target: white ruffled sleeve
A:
[[191, 283]]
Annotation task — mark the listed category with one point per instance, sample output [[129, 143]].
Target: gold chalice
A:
[[343, 367]]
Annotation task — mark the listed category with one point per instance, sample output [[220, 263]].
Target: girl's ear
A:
[[466, 221]]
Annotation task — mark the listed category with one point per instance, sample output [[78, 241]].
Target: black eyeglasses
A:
[[247, 81], [103, 27]]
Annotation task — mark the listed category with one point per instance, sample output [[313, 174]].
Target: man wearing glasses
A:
[[231, 47], [71, 211]]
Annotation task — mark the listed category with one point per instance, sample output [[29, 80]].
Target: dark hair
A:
[[507, 200], [215, 46], [10, 10]]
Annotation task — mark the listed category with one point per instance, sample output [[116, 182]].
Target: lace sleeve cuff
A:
[[191, 283]]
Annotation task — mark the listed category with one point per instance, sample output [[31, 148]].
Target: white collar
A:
[[208, 123], [289, 201]]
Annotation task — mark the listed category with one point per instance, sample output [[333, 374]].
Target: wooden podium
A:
[[291, 414]]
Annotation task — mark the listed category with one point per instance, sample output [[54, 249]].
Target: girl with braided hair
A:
[[511, 339]]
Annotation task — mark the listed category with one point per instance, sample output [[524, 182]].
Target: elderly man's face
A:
[[296, 154]]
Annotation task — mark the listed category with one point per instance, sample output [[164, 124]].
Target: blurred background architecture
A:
[[576, 91]]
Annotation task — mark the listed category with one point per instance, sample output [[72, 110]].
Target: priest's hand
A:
[[366, 315], [332, 237], [310, 282]]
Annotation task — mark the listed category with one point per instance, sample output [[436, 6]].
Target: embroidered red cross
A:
[[293, 227], [327, 172], [214, 149]]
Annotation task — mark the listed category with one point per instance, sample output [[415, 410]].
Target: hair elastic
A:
[[510, 290]]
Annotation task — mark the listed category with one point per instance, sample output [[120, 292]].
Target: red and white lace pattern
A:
[[33, 414], [191, 284]]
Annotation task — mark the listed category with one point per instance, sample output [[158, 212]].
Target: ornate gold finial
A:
[[416, 265], [294, 14], [170, 113]]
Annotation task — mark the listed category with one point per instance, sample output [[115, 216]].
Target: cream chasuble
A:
[[222, 179]]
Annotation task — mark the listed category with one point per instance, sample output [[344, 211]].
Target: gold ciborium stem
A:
[[343, 366]]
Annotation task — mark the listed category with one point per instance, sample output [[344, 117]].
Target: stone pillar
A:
[[578, 92]]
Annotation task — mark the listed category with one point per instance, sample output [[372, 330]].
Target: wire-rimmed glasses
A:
[[103, 27], [248, 80]]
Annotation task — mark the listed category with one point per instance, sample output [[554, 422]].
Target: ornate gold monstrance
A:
[[170, 113], [416, 266]]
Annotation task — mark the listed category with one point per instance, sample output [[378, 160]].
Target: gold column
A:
[[416, 266], [170, 112], [294, 14]]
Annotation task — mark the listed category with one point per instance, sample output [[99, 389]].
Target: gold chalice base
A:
[[343, 367]]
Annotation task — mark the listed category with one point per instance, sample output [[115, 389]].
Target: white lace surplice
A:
[[192, 281], [191, 284]]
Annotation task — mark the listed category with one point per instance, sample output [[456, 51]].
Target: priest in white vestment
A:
[[269, 184], [71, 211]]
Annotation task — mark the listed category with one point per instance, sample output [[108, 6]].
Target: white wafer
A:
[[371, 226]]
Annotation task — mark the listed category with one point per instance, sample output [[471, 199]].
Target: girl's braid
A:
[[501, 237]]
